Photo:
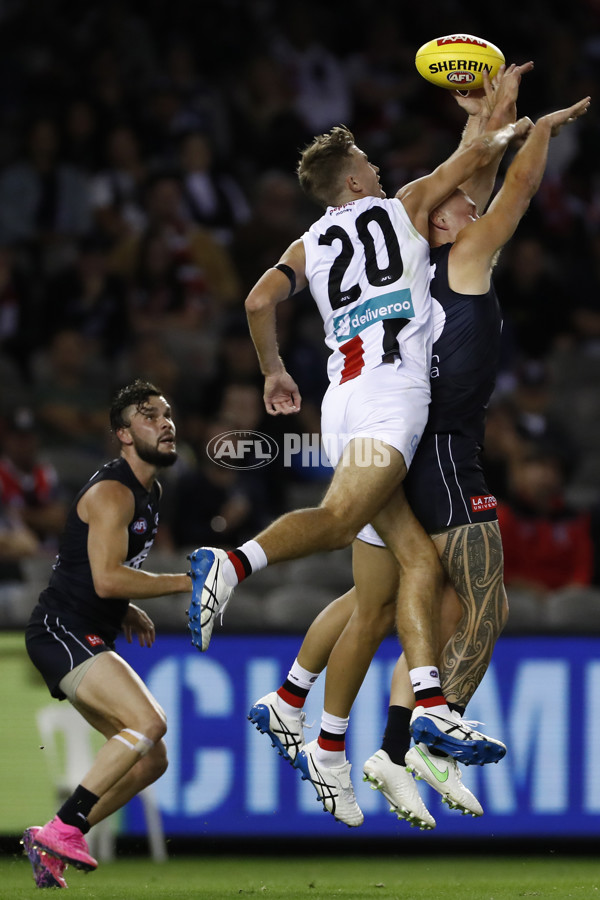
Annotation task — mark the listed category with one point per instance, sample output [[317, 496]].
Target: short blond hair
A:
[[321, 167]]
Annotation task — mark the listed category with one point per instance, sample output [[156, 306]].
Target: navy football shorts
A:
[[56, 646], [445, 486]]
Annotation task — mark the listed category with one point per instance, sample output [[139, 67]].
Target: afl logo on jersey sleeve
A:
[[140, 526]]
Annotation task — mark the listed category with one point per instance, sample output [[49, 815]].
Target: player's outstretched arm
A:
[[556, 120], [281, 394], [492, 107], [421, 196], [477, 244], [523, 178]]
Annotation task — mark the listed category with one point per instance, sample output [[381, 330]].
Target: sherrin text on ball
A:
[[458, 61]]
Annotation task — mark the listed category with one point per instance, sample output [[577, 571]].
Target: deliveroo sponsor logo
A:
[[394, 305]]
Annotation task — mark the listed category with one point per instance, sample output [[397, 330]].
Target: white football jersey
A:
[[369, 273]]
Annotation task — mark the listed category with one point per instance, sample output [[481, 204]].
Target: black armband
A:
[[287, 270]]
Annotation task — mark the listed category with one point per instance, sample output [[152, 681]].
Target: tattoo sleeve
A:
[[472, 559]]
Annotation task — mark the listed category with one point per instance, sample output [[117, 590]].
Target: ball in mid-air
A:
[[458, 61]]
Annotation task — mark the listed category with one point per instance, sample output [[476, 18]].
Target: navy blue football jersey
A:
[[465, 356], [445, 484], [70, 591]]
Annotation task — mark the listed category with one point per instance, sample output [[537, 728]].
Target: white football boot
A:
[[398, 787], [333, 786], [210, 593], [455, 736], [443, 775], [286, 732]]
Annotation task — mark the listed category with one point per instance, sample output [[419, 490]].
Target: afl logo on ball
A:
[[461, 78], [140, 526]]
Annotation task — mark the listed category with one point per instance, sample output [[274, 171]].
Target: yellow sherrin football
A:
[[458, 61]]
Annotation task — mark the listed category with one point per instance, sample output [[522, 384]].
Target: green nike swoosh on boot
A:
[[437, 773]]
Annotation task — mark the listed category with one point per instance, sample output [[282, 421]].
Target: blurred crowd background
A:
[[147, 158]]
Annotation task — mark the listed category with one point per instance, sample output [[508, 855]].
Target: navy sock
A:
[[77, 808], [396, 737]]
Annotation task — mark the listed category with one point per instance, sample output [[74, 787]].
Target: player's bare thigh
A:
[[365, 479], [112, 696], [375, 572]]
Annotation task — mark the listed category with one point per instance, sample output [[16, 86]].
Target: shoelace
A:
[[470, 723], [283, 731]]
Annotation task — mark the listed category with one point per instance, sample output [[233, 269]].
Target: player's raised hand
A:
[[281, 394], [497, 97], [475, 103], [561, 117], [508, 79], [504, 92]]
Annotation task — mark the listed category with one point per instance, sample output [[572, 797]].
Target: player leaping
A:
[[444, 475], [365, 257]]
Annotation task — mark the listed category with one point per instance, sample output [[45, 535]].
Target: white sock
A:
[[334, 725], [305, 680], [255, 554], [425, 678], [439, 710], [256, 557], [301, 676], [229, 574]]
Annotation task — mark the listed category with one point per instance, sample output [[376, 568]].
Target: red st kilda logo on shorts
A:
[[481, 504], [94, 640]]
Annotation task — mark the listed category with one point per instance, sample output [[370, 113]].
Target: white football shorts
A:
[[370, 536], [386, 404]]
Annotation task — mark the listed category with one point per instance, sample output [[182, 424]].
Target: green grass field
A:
[[340, 877]]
